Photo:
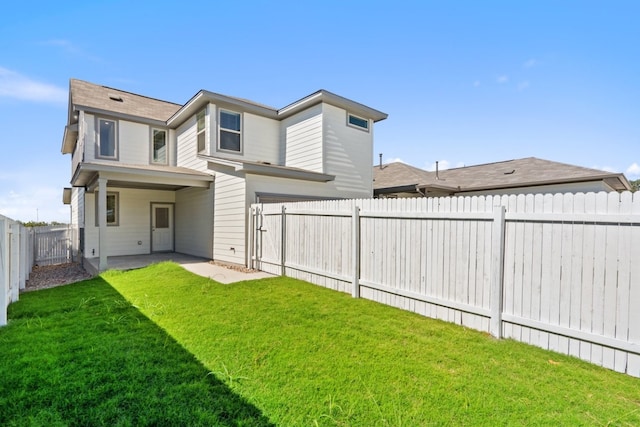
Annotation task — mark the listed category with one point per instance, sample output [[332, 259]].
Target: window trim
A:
[[116, 195], [238, 132], [116, 151], [202, 131], [166, 146], [356, 126]]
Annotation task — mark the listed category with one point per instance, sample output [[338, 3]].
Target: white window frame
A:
[[356, 126], [202, 131], [166, 146], [221, 129], [116, 221], [99, 141]]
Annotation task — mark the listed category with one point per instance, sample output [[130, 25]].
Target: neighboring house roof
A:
[[527, 172]]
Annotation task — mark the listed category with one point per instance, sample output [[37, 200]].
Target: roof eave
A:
[[269, 170], [69, 139], [333, 99]]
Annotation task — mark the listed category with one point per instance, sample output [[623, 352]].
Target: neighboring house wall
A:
[[194, 222], [230, 218], [134, 225], [302, 138]]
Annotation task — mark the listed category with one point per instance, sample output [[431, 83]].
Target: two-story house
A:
[[151, 176]]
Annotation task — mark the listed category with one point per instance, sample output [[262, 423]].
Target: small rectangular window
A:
[[159, 146], [107, 138], [113, 214], [200, 118], [358, 122], [230, 131]]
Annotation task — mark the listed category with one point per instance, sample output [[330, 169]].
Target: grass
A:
[[277, 350], [81, 355]]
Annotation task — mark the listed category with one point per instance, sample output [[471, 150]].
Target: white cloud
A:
[[15, 85], [502, 79], [442, 165], [530, 63], [523, 85], [394, 160], [633, 171]]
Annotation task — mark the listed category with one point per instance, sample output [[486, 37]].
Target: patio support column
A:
[[102, 223]]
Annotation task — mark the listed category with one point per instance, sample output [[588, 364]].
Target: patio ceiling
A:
[[140, 177]]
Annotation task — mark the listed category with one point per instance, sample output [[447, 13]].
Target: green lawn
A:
[[277, 350]]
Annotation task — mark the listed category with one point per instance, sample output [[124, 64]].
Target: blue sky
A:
[[463, 82]]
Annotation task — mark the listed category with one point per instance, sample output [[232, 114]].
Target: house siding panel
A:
[[134, 222], [348, 154], [302, 135], [187, 146], [194, 222], [133, 143], [230, 219], [260, 139]]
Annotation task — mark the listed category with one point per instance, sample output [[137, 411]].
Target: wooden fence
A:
[[561, 272], [16, 261]]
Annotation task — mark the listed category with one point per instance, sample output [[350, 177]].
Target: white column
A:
[[102, 223]]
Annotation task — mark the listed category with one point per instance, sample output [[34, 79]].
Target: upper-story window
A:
[[230, 136], [159, 146], [200, 118], [357, 122], [107, 138]]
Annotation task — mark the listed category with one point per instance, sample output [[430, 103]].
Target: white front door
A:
[[161, 227]]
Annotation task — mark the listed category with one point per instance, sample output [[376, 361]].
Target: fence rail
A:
[[557, 271]]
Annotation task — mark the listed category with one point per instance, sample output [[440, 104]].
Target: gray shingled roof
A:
[[529, 171], [98, 97]]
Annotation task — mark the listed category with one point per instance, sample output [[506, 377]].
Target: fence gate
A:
[[52, 245]]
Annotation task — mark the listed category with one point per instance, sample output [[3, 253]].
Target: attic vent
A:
[[117, 98]]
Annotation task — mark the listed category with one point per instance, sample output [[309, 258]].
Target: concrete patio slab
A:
[[196, 265]]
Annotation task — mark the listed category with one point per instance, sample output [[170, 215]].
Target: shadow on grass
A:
[[82, 355]]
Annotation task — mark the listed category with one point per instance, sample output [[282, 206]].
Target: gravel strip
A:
[[50, 276]]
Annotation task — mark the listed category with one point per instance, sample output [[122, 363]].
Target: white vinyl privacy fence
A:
[[21, 248], [16, 261], [561, 272]]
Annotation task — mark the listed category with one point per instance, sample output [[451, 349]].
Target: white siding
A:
[[194, 222], [78, 152], [230, 219], [260, 139], [348, 153], [134, 225], [89, 137], [302, 138], [187, 146], [77, 207], [133, 143]]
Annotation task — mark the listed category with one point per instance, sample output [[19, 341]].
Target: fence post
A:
[[283, 243], [14, 267], [4, 284], [356, 252], [497, 270]]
